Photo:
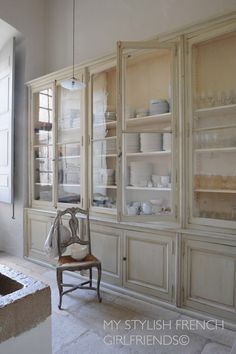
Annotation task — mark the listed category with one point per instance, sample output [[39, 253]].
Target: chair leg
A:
[[99, 267], [91, 276], [60, 288]]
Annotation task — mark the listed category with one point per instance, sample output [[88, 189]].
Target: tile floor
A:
[[80, 328]]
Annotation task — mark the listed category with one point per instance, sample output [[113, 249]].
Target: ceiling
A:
[[6, 32]]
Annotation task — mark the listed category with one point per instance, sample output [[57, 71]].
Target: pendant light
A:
[[73, 83]]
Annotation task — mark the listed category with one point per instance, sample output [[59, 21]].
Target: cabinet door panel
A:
[[210, 282], [106, 245], [139, 268], [38, 228], [149, 264]]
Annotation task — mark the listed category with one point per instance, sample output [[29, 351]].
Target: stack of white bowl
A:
[[132, 142], [158, 106], [150, 142], [140, 173], [166, 141]]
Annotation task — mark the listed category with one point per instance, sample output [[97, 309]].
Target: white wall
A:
[[100, 23], [27, 16]]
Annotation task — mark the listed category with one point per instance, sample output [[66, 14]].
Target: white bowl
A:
[[78, 251]]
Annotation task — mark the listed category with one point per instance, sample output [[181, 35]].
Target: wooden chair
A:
[[80, 234]]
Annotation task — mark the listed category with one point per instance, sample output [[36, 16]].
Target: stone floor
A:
[[83, 326]]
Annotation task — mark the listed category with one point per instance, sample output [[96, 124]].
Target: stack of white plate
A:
[[150, 142], [132, 143], [140, 173], [166, 141], [109, 146]]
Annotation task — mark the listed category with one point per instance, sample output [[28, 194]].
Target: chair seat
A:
[[68, 261]]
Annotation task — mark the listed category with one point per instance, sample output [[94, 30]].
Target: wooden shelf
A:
[[109, 124], [146, 154], [104, 139], [226, 149], [148, 188], [106, 186], [149, 120], [229, 191], [43, 158], [216, 111], [106, 155], [69, 157], [42, 145], [69, 184], [68, 130], [217, 127]]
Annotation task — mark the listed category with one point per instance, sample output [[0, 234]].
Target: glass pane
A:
[[215, 138], [43, 175], [215, 183], [104, 150], [214, 129], [69, 148], [215, 205], [43, 117], [69, 173], [147, 143], [148, 89], [209, 59], [69, 115], [148, 174], [104, 175], [45, 100]]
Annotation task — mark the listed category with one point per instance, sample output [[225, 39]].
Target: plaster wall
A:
[[28, 18], [100, 23]]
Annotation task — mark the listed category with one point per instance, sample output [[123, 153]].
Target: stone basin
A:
[[24, 303], [8, 285]]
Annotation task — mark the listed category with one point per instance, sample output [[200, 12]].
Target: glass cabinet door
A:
[[213, 135], [148, 143], [103, 140], [43, 145], [69, 163]]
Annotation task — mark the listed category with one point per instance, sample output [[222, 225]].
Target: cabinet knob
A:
[[124, 258]]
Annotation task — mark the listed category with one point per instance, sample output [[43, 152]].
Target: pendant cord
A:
[[73, 39]]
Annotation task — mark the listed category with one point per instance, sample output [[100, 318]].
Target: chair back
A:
[[79, 228]]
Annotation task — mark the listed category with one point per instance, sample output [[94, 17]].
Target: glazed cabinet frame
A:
[[33, 89], [206, 34], [93, 71], [124, 51]]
